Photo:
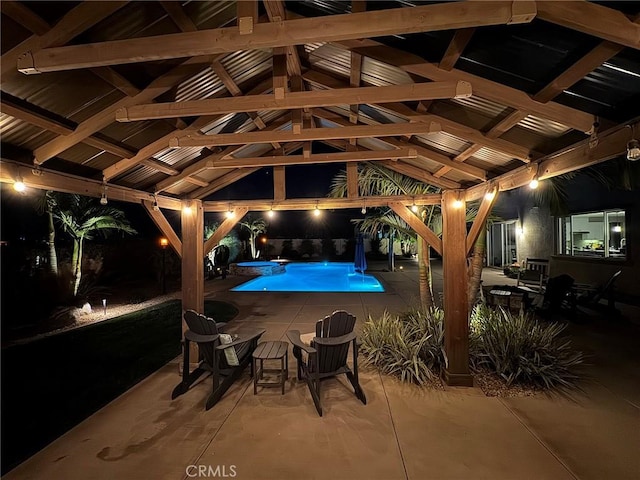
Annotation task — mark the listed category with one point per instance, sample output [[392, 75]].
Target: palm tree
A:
[[81, 218], [376, 180], [255, 227], [45, 203]]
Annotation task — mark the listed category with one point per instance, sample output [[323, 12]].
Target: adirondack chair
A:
[[326, 356], [225, 361]]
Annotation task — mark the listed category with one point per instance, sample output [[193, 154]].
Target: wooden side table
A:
[[270, 351]]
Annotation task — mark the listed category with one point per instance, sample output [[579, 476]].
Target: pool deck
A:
[[404, 432]]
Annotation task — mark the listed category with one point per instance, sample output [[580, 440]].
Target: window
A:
[[595, 234]]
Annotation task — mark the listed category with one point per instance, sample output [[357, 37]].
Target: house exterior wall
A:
[[537, 238]]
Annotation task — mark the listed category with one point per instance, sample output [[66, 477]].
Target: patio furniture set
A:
[[319, 355], [535, 289]]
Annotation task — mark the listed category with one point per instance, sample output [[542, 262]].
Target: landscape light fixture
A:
[[18, 185], [103, 198], [633, 147]]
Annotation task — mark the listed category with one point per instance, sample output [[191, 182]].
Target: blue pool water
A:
[[313, 277]]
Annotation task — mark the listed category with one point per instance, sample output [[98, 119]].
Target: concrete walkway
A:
[[404, 432]]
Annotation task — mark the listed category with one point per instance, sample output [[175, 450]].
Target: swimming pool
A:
[[314, 277]]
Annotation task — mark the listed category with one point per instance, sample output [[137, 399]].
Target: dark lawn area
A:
[[52, 384]]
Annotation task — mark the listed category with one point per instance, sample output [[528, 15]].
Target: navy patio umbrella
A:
[[360, 261]]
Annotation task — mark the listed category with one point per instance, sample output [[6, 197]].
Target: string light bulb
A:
[[414, 208], [457, 203], [316, 211], [18, 185], [156, 207], [364, 210], [103, 198], [533, 184], [271, 213]]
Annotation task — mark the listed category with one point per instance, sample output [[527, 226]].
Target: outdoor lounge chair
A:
[[225, 361], [589, 296], [326, 356], [534, 275]]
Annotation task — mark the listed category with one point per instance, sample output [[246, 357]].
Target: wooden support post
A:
[[352, 180], [247, 12], [279, 72], [456, 314], [279, 185], [192, 260]]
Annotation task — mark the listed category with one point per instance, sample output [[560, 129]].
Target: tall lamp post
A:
[[163, 243]]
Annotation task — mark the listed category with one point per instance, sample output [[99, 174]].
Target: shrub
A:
[[521, 349], [409, 346], [517, 347]]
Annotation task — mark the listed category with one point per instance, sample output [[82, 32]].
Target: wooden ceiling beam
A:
[[39, 119], [76, 21], [164, 226], [593, 19], [457, 45], [482, 87], [163, 142], [479, 222], [226, 79], [311, 134], [113, 78], [459, 130], [44, 179], [588, 63], [424, 152], [611, 144], [247, 16], [443, 16], [105, 117], [323, 203], [309, 99], [360, 156]]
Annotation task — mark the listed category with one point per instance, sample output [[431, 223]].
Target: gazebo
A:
[[164, 103]]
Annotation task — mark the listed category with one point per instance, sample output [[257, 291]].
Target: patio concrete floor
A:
[[404, 432]]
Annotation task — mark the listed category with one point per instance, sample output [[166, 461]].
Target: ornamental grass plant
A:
[[518, 348]]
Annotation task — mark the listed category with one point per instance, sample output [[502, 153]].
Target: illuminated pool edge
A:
[[314, 277]]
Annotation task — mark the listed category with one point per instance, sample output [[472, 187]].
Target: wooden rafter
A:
[[597, 20], [179, 17], [105, 117], [221, 182], [611, 144], [79, 19], [287, 32], [419, 174], [424, 152], [457, 45], [482, 87], [449, 126], [163, 142], [311, 99]]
